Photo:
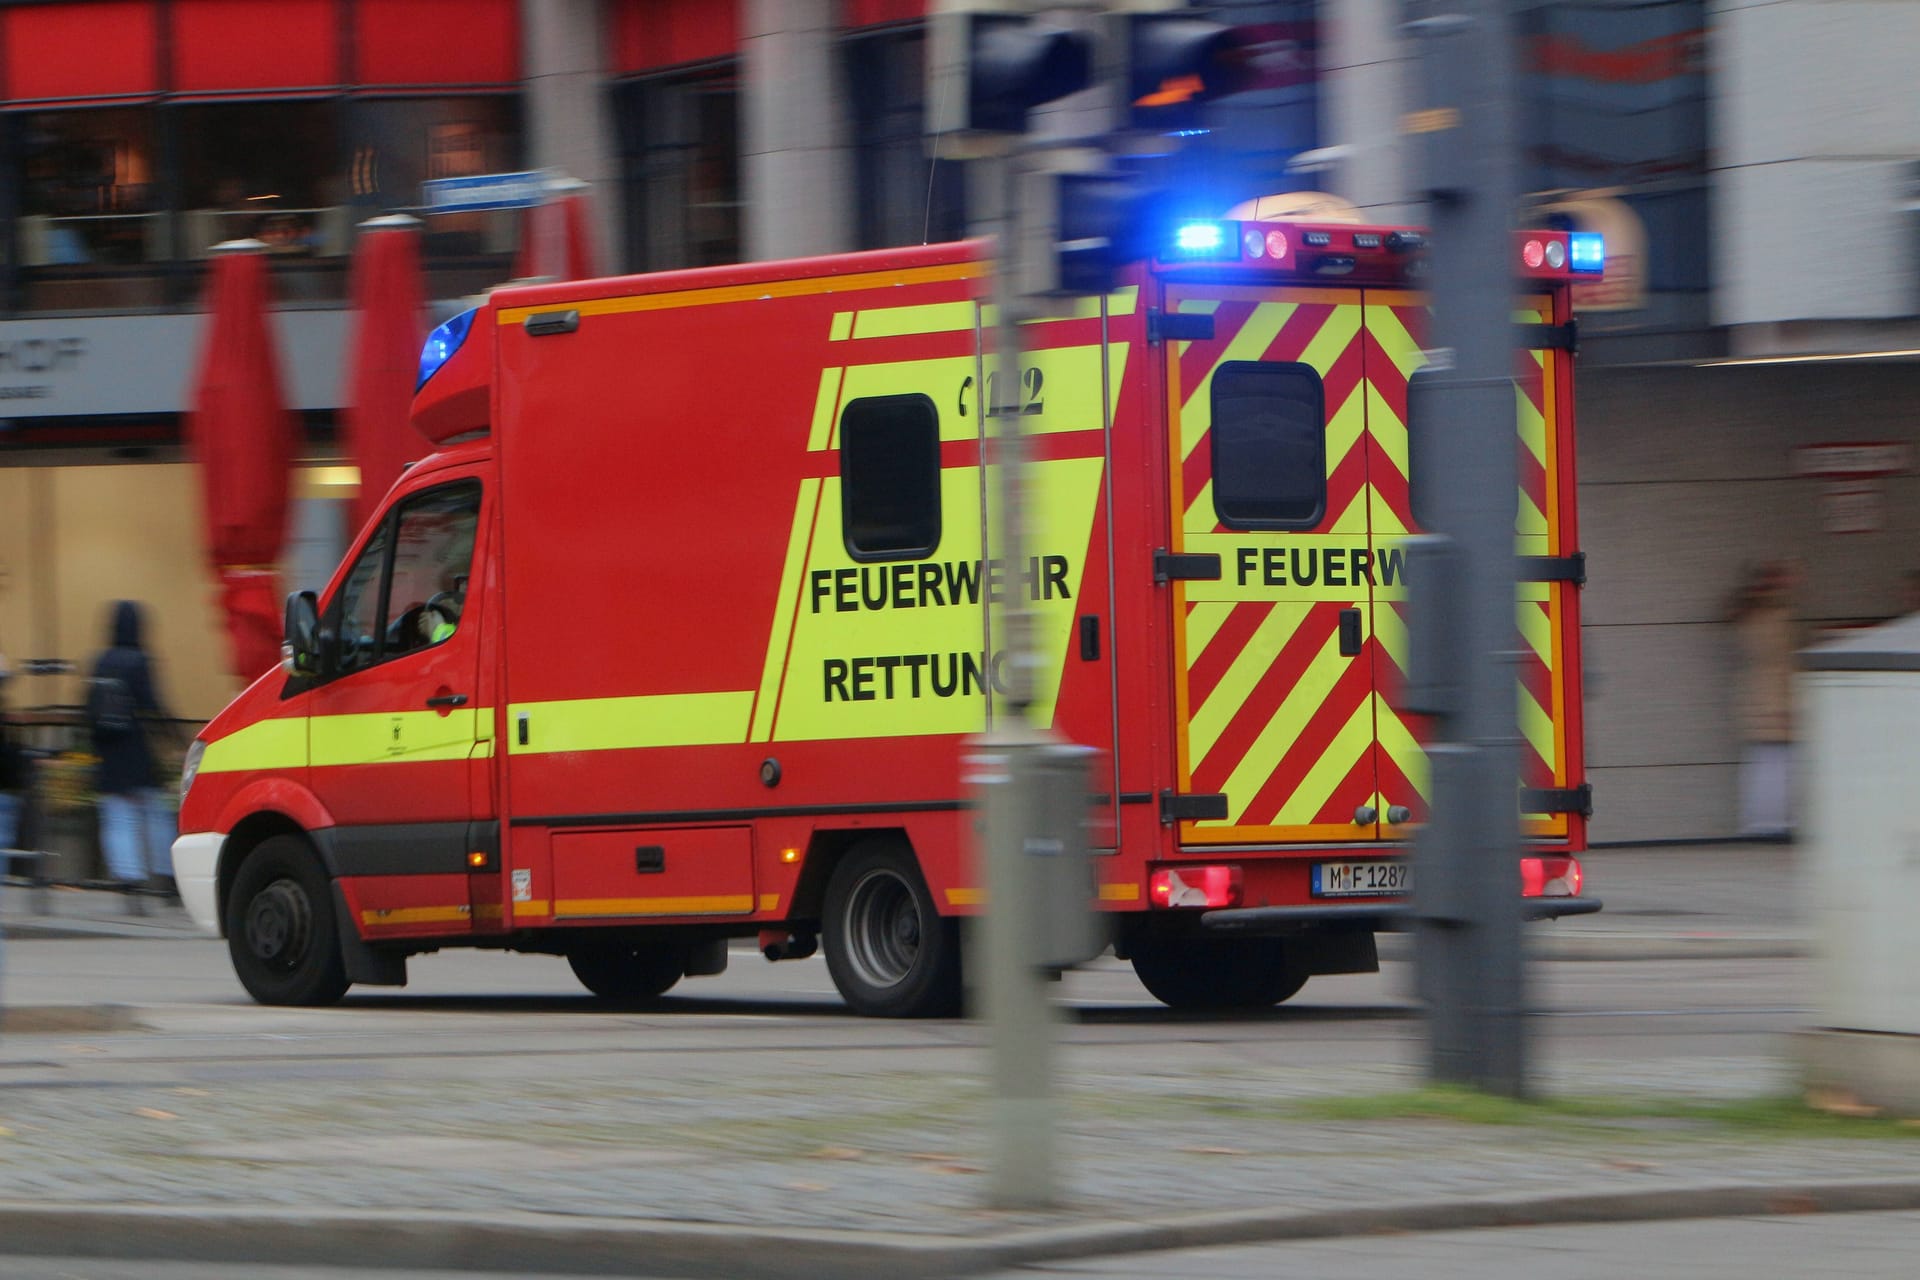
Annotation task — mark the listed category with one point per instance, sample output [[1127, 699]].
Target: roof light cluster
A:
[[1366, 253]]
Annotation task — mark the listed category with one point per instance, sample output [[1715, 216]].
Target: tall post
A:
[[1467, 882], [1016, 992]]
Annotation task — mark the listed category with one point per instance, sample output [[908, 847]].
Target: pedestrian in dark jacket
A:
[[136, 819]]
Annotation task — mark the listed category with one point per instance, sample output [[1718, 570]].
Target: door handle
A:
[[1349, 633], [448, 700]]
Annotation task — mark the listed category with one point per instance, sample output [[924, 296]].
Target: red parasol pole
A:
[[243, 436], [384, 361]]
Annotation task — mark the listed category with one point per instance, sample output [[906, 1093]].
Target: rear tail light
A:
[[1550, 877], [1194, 887]]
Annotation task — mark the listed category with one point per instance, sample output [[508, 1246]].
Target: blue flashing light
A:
[[442, 343], [1586, 253], [1202, 240]]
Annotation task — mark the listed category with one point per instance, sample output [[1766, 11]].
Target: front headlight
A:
[[191, 765]]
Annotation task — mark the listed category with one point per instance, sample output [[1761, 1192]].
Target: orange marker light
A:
[[476, 859], [789, 855]]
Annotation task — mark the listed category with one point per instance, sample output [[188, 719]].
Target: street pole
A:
[[1016, 991], [1467, 890]]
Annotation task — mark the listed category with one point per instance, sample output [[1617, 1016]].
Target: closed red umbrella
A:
[[384, 363], [243, 436], [561, 228]]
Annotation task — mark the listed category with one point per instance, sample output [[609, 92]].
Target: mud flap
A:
[[366, 965], [1324, 951]]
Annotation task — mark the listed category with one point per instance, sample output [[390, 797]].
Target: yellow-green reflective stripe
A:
[[398, 737], [613, 724], [931, 317], [265, 744]]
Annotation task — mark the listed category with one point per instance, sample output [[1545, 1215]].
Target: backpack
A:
[[110, 709]]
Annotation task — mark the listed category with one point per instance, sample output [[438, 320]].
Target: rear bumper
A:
[[196, 862], [1379, 916]]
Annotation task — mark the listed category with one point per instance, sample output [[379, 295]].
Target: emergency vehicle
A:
[[680, 634]]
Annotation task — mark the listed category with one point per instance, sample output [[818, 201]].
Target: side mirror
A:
[[302, 641]]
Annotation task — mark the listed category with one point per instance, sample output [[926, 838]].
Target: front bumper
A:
[[196, 864]]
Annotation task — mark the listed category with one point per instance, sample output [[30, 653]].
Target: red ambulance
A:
[[679, 634]]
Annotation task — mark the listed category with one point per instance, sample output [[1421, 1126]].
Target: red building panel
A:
[[648, 34], [871, 13], [434, 42], [100, 50], [220, 46]]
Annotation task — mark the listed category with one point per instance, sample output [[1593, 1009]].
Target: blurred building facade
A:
[[1760, 309]]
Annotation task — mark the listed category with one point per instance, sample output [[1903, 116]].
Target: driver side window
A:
[[408, 589], [356, 611]]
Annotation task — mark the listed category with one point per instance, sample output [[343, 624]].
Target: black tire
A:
[[889, 950], [1216, 973], [282, 932], [626, 971]]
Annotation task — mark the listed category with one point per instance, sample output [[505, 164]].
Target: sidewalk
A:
[[56, 912]]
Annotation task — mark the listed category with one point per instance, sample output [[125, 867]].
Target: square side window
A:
[[890, 477]]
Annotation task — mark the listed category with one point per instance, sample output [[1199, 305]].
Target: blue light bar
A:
[[1586, 253], [1203, 240], [442, 343]]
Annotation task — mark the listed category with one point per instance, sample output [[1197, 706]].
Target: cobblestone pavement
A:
[[780, 1144]]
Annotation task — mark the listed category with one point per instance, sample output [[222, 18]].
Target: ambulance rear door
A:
[[1271, 568]]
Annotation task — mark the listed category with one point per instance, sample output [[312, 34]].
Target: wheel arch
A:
[[247, 835], [826, 849]]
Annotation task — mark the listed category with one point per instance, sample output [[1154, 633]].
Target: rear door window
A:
[[1269, 442]]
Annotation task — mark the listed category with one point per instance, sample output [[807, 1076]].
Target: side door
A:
[[395, 736], [1274, 695]]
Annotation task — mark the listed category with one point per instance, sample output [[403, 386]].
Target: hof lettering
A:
[[41, 355]]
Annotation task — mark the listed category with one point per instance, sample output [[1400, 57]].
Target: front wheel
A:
[[281, 929], [627, 971], [890, 952], [1216, 973]]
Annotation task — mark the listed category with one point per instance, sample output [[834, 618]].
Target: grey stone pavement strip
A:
[[894, 1158]]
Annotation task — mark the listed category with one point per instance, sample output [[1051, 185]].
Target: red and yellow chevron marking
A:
[[1270, 712], [1393, 325]]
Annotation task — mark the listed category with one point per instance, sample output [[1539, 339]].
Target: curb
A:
[[527, 1243], [68, 1019], [1620, 945], [55, 929]]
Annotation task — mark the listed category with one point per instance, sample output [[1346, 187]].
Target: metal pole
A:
[[1467, 858], [1016, 991]]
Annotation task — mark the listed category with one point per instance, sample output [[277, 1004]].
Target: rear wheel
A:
[[281, 929], [627, 971], [890, 952], [1216, 973]]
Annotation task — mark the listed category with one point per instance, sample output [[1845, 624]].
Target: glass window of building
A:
[[902, 196], [680, 149], [270, 170], [400, 143], [88, 213]]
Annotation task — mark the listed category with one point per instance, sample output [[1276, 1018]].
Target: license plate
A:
[[1361, 879]]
